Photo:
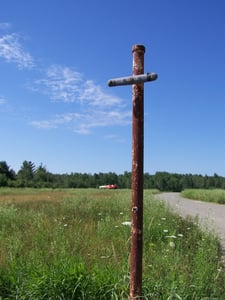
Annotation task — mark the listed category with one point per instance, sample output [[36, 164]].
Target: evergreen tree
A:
[[25, 175], [6, 174]]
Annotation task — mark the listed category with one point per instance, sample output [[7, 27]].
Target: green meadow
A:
[[74, 244]]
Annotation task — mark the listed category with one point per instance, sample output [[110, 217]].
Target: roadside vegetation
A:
[[74, 244], [214, 195]]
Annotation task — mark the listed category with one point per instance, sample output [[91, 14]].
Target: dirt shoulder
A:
[[211, 215]]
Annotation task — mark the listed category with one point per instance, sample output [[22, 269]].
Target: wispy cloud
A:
[[5, 25], [11, 50], [44, 124], [64, 84], [2, 100], [115, 137], [60, 84], [94, 107], [84, 122], [99, 118]]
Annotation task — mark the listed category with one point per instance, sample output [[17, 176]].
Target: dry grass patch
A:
[[48, 196]]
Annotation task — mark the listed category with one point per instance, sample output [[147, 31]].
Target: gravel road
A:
[[210, 215]]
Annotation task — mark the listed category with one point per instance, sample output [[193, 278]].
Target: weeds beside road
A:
[[74, 244], [205, 205], [214, 195]]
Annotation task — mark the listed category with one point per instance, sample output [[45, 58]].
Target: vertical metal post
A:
[[137, 80], [137, 175]]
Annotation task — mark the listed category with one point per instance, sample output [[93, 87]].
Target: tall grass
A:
[[214, 195], [72, 244]]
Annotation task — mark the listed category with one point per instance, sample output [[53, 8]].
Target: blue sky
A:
[[56, 57]]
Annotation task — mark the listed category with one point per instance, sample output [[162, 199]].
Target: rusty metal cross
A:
[[137, 82]]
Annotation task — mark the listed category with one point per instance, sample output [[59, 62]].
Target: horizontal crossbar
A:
[[133, 79]]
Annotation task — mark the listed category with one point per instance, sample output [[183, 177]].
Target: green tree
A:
[[174, 183], [42, 177], [6, 174], [3, 180], [124, 181], [148, 181], [186, 181], [161, 180], [26, 173]]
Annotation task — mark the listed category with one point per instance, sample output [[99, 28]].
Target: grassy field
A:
[[214, 195], [74, 244]]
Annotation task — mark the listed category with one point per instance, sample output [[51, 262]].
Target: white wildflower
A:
[[171, 236], [172, 244], [126, 223]]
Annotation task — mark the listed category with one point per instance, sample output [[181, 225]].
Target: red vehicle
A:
[[109, 186]]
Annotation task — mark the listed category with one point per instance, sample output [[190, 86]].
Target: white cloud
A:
[[44, 124], [83, 123], [94, 107], [64, 84], [101, 118], [95, 95], [2, 100], [12, 51], [5, 25], [60, 84], [115, 137]]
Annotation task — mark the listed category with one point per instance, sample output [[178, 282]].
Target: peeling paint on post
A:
[[137, 81]]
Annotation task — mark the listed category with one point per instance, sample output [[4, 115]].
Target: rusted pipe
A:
[[137, 81], [137, 175]]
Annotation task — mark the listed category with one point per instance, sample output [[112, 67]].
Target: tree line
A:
[[39, 177]]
